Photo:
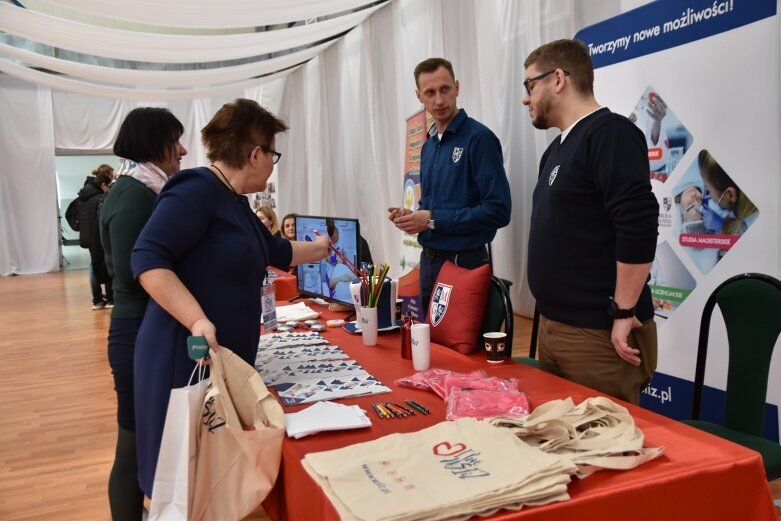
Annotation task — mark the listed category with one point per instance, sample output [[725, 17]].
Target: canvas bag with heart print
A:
[[452, 469]]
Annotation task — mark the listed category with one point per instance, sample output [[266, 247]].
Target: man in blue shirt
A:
[[465, 196]]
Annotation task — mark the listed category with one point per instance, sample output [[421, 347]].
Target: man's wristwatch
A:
[[616, 312], [430, 223]]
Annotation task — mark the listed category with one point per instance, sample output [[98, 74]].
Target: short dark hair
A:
[[432, 65], [237, 128], [570, 55], [148, 134]]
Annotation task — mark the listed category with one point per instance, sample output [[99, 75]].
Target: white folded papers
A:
[[325, 416], [298, 311]]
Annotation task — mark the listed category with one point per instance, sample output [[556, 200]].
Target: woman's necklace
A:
[[225, 179]]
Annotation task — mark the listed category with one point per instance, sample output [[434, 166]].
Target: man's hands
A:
[[408, 221], [621, 329]]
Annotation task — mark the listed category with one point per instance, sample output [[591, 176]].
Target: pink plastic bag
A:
[[491, 383], [434, 379], [482, 404]]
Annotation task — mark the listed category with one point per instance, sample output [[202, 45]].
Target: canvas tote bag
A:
[[175, 472], [450, 470], [240, 445], [595, 434]]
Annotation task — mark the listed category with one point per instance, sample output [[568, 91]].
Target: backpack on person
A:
[[72, 214]]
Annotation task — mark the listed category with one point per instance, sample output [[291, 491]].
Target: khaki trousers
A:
[[587, 356]]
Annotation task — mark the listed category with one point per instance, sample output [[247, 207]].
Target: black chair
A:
[[499, 312], [751, 306], [532, 358]]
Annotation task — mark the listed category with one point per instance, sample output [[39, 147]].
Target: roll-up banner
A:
[[409, 283], [701, 80]]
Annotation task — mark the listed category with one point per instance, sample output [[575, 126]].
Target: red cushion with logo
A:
[[457, 305]]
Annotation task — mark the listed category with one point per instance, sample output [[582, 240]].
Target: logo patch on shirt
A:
[[553, 174], [457, 153], [439, 302]]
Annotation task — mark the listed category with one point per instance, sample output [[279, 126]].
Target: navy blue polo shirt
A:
[[464, 185]]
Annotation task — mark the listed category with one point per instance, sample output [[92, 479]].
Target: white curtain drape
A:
[[28, 192], [85, 122], [347, 109]]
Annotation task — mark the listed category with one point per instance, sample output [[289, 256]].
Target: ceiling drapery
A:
[[179, 79], [167, 48], [41, 47], [210, 14], [65, 83]]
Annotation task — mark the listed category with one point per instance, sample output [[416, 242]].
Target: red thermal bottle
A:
[[406, 337]]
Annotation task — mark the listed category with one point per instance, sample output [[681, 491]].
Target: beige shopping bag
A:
[[596, 434], [441, 472], [240, 446]]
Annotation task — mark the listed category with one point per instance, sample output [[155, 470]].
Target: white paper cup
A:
[[421, 346], [369, 326]]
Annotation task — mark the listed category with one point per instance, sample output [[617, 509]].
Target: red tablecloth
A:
[[285, 285], [699, 476]]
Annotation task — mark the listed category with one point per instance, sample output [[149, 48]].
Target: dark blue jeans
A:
[[430, 266], [121, 348]]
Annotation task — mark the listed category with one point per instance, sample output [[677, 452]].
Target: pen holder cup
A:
[[386, 303], [368, 321]]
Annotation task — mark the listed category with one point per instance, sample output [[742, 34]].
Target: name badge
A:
[[268, 306]]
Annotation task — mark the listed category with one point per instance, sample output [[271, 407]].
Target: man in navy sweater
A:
[[465, 196], [593, 230]]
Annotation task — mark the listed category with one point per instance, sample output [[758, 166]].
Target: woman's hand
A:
[[203, 327]]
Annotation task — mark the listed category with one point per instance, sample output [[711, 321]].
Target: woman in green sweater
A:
[[149, 151]]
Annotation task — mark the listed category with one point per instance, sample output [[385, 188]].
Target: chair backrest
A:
[[499, 311], [751, 306]]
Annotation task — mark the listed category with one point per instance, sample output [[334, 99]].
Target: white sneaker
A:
[[99, 305]]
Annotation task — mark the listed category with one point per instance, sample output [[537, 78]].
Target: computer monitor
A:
[[330, 278]]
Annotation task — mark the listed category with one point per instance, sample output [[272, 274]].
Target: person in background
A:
[[202, 257], [149, 151], [90, 197], [465, 196], [593, 230], [289, 226], [268, 217], [288, 231]]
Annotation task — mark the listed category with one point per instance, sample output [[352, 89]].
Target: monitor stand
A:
[[300, 295]]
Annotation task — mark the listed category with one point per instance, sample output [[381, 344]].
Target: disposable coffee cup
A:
[[495, 346], [420, 337]]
